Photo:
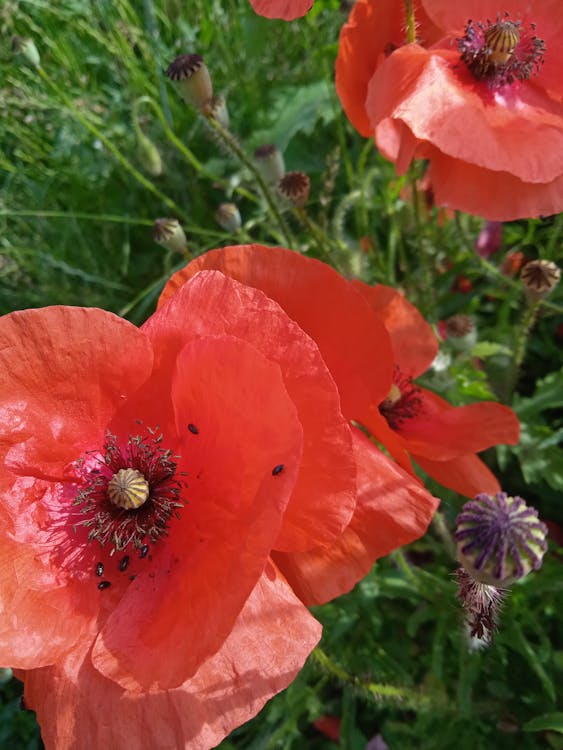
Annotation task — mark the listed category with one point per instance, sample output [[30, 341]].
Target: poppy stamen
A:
[[403, 401]]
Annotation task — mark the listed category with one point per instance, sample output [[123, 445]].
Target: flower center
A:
[[501, 52], [403, 401], [130, 492]]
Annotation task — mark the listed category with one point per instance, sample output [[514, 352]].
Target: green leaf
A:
[[553, 722], [484, 349]]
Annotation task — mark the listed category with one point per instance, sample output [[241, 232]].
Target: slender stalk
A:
[[410, 22], [522, 334], [321, 240]]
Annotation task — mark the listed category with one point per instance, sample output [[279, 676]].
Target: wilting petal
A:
[[79, 709], [353, 342], [286, 9], [467, 475], [393, 509], [63, 373], [443, 432], [326, 483], [413, 341], [184, 601]]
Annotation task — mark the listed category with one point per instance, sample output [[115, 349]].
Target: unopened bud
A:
[[461, 332], [228, 217], [192, 78], [168, 233], [28, 50], [269, 162], [216, 107], [489, 239], [294, 187], [499, 539], [540, 277], [149, 155]]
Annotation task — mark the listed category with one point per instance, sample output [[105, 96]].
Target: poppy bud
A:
[[499, 539], [28, 50], [149, 155], [539, 277], [489, 239], [269, 162], [460, 332], [192, 78], [228, 217], [169, 234], [216, 107], [294, 187]]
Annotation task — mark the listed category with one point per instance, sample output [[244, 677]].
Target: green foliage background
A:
[[76, 211]]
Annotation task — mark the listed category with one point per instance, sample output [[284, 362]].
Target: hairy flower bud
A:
[[294, 187], [228, 217], [28, 50], [168, 233], [540, 277], [499, 539], [149, 155], [269, 162], [191, 76]]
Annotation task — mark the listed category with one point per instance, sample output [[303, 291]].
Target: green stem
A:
[[232, 144], [317, 233], [410, 22], [442, 530], [523, 332], [425, 292], [125, 163]]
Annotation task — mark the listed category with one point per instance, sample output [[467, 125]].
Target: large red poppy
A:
[[286, 9], [375, 343], [484, 104], [148, 478]]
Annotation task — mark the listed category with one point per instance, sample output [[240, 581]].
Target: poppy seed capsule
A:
[[191, 76], [294, 187], [501, 40], [269, 162], [228, 217], [461, 332], [539, 277], [128, 489], [169, 233], [499, 539]]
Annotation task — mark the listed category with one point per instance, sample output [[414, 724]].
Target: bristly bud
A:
[[269, 162], [294, 187], [27, 49], [461, 332], [216, 107], [149, 155], [192, 78], [489, 239], [228, 217], [168, 233], [540, 277], [499, 539], [481, 603]]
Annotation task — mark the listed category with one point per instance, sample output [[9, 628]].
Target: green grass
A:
[[76, 213]]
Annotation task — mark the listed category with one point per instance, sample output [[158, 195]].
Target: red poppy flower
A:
[[286, 9], [148, 478], [484, 104], [374, 343]]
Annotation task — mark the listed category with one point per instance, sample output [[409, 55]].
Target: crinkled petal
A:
[[326, 483], [393, 509], [467, 475], [286, 9], [352, 341], [441, 432], [80, 709], [414, 342], [63, 372], [190, 589]]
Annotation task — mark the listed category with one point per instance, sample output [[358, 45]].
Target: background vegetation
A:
[[77, 204]]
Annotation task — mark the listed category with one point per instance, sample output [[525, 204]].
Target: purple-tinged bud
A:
[[228, 217], [169, 233], [27, 49], [481, 603], [539, 277], [461, 332], [489, 239], [499, 539], [192, 78], [294, 187], [269, 162]]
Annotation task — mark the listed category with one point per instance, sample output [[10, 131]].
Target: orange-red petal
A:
[[393, 509], [467, 475], [288, 10], [353, 342], [326, 483], [186, 598], [79, 709]]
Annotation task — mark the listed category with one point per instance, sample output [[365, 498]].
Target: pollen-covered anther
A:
[[128, 489]]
